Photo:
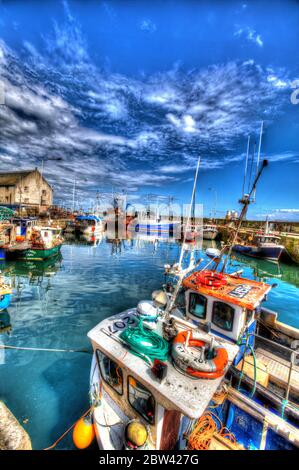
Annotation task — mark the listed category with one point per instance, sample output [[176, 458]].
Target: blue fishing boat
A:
[[5, 296], [264, 246], [159, 228]]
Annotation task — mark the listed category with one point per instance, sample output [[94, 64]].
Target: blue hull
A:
[[269, 253], [155, 229], [4, 301], [2, 254]]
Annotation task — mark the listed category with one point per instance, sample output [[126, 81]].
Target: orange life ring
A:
[[207, 369], [211, 279]]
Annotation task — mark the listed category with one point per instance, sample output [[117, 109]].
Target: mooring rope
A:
[[20, 348]]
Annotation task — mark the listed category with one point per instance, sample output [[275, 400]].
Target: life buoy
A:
[[197, 365], [211, 279]]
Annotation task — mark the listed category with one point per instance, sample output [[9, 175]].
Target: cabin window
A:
[[110, 372], [223, 316], [198, 305], [141, 400]]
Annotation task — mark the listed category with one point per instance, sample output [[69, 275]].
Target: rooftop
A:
[[11, 178]]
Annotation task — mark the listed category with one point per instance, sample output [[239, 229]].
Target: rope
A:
[[68, 430], [204, 430], [144, 342], [19, 348]]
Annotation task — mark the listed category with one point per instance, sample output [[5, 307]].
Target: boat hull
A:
[[271, 253], [2, 254], [4, 301], [159, 228], [209, 234], [34, 254]]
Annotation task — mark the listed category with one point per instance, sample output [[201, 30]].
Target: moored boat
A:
[[209, 231], [5, 295], [44, 243], [88, 225], [264, 246]]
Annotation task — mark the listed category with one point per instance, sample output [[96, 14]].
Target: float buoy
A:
[[211, 279], [201, 365], [83, 433], [135, 435]]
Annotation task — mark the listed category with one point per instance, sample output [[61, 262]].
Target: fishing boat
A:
[[88, 225], [44, 243], [209, 231], [151, 221], [264, 246], [5, 295], [219, 372], [155, 226]]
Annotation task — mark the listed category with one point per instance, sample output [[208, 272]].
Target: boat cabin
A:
[[24, 227], [48, 235], [266, 239], [227, 305], [128, 389]]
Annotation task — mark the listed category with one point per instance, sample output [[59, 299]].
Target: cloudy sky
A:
[[127, 95]]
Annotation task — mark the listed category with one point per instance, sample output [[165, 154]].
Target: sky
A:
[[126, 95]]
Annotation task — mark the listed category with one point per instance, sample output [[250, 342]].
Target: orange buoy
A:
[[83, 433]]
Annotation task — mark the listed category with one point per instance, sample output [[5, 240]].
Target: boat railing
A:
[[289, 359]]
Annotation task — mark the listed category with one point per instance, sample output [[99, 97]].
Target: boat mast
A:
[[246, 200], [246, 166], [259, 153], [191, 209], [180, 272]]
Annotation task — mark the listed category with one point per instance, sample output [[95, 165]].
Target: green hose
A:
[[145, 342], [255, 369]]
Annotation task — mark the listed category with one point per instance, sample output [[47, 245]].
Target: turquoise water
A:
[[55, 304]]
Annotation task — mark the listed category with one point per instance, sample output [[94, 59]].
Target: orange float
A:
[[83, 433]]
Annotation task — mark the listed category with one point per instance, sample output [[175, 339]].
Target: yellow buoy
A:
[[136, 433], [83, 433]]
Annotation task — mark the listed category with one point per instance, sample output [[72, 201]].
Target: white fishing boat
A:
[[167, 375], [209, 231], [89, 225]]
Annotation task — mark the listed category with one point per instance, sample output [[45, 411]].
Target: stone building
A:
[[25, 188]]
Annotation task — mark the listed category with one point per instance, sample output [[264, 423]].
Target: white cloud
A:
[[250, 34]]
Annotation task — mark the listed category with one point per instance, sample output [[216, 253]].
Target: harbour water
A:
[[55, 304]]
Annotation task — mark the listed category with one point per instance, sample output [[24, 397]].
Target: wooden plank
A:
[[278, 370]]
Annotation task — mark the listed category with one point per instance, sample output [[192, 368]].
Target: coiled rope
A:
[[143, 342], [204, 430]]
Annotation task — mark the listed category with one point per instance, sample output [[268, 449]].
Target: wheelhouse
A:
[[228, 308]]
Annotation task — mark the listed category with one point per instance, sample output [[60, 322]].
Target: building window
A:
[[26, 200], [44, 192], [111, 373], [198, 305], [26, 189], [141, 400], [223, 316]]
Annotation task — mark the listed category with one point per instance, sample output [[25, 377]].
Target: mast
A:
[[246, 166], [259, 153], [245, 201], [181, 273], [191, 208]]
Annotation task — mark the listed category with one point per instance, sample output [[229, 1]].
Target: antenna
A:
[[258, 155], [246, 165]]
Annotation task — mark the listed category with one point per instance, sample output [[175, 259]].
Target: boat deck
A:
[[177, 391], [278, 370]]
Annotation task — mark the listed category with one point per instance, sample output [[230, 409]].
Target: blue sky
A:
[[127, 94]]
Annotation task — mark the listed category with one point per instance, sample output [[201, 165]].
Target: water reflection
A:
[[56, 302]]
